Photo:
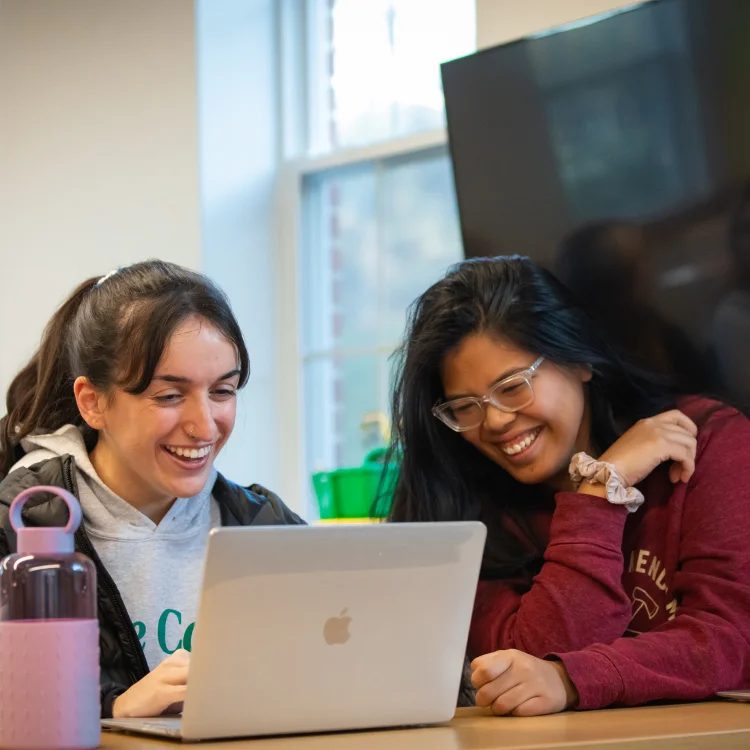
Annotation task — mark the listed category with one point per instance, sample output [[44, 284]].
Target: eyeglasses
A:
[[510, 395]]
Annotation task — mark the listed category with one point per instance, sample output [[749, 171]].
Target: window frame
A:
[[301, 31], [290, 355]]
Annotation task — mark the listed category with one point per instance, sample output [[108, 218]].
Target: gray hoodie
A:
[[157, 569]]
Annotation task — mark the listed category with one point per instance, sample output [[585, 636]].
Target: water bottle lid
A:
[[49, 539]]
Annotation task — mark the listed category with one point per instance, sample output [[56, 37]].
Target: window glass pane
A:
[[344, 399], [376, 236], [421, 236], [339, 259], [383, 69], [319, 378]]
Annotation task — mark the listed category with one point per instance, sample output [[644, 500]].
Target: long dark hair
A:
[[113, 331], [442, 476]]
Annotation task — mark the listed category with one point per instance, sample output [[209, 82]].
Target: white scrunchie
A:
[[582, 466]]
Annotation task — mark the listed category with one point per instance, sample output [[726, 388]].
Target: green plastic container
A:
[[351, 493]]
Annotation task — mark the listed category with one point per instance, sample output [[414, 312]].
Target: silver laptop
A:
[[740, 696], [315, 629]]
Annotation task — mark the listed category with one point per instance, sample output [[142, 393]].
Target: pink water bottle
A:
[[49, 637]]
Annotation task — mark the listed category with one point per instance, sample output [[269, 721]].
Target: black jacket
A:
[[122, 660]]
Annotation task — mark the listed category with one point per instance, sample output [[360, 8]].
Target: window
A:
[[369, 217], [376, 67], [376, 235]]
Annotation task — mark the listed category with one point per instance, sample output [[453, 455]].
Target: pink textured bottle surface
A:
[[49, 685]]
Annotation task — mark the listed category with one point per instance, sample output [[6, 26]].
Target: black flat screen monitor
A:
[[616, 152]]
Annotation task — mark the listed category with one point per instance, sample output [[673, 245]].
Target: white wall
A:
[[501, 21], [142, 128], [98, 150]]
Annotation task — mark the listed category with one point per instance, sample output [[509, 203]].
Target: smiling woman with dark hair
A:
[[618, 511], [126, 404]]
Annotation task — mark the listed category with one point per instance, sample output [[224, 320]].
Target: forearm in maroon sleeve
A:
[[577, 598]]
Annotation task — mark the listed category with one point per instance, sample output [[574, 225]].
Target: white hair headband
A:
[[106, 276]]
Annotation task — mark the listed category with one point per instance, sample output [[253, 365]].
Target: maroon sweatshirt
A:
[[653, 605]]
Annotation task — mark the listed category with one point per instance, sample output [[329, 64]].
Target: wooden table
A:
[[701, 726]]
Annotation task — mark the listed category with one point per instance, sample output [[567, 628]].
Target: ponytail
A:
[[41, 395]]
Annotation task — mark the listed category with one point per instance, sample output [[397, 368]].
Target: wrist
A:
[[584, 469], [571, 692], [592, 488], [119, 708]]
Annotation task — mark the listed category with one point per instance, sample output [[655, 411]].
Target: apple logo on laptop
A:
[[336, 629]]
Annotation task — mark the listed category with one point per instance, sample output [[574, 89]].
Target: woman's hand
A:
[[670, 436], [161, 691], [515, 683]]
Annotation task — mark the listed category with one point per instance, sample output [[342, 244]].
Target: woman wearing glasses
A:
[[618, 513]]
